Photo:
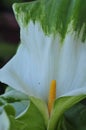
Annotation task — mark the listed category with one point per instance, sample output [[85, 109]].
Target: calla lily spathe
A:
[[41, 58]]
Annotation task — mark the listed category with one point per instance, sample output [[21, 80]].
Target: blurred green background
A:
[[9, 33]]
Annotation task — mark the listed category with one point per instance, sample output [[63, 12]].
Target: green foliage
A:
[[33, 119], [60, 107], [75, 118], [31, 113], [22, 113], [42, 107]]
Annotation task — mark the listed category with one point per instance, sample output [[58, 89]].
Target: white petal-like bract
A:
[[41, 58]]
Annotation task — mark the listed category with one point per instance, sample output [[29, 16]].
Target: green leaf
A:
[[77, 116], [20, 107], [25, 116], [68, 114], [9, 109], [18, 100], [15, 124], [60, 107], [74, 118], [42, 107], [32, 119], [8, 121]]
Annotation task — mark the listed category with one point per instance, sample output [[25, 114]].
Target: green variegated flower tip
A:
[[54, 16]]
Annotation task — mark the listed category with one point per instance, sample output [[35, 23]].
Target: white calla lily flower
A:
[[49, 67], [42, 58]]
